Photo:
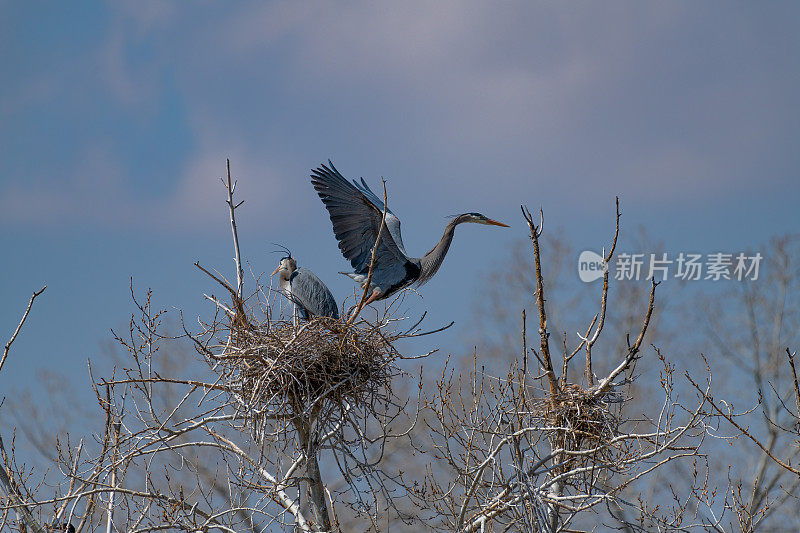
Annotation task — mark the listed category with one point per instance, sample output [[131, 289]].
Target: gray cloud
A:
[[468, 100]]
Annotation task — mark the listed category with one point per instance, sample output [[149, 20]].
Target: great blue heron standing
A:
[[305, 290], [356, 213]]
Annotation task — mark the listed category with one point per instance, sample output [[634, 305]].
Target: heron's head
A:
[[286, 266], [478, 219]]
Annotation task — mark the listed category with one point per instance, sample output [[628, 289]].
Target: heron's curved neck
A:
[[430, 262]]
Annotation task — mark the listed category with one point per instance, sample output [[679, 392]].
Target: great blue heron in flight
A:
[[306, 290], [356, 213]]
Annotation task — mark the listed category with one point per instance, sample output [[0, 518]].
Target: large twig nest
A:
[[283, 369], [581, 420]]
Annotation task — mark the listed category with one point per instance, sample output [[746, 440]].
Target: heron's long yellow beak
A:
[[496, 223], [276, 271]]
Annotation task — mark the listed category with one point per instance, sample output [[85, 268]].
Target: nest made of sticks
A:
[[580, 420], [280, 368]]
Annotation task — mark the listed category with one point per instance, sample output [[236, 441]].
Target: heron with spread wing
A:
[[356, 213]]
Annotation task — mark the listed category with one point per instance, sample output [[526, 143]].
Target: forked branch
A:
[[232, 210], [607, 382], [603, 301], [536, 232]]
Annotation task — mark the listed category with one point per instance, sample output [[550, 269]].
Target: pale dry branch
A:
[[230, 188], [607, 382], [19, 326]]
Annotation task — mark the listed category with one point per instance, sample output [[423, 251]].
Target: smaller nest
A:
[[283, 369], [580, 420]]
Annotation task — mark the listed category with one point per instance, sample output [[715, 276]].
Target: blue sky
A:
[[116, 119]]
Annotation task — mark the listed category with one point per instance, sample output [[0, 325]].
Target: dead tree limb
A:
[[232, 210], [19, 326], [535, 233], [603, 304]]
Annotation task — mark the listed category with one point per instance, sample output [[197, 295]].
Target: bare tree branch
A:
[[19, 326]]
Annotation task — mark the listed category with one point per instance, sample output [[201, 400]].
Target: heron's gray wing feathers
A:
[[356, 221], [392, 222], [310, 293]]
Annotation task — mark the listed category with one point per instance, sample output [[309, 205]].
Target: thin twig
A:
[[7, 486], [238, 257], [794, 378], [215, 278], [19, 326], [372, 260], [729, 418]]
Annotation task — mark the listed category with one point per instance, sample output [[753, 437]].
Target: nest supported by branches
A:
[[283, 369], [581, 421]]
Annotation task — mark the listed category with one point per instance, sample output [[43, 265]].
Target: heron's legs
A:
[[372, 297]]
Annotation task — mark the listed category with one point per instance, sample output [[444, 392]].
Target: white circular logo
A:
[[591, 266]]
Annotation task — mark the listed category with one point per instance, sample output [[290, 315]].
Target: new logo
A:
[[591, 266]]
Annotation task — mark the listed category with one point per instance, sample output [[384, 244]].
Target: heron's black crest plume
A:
[[282, 250]]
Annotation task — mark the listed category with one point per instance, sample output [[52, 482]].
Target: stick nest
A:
[[582, 421], [282, 369]]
